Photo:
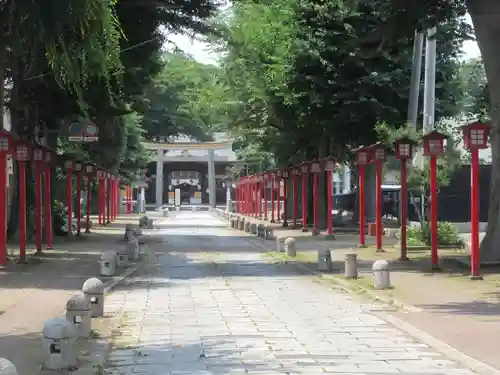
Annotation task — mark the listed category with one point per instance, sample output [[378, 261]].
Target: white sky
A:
[[202, 53]]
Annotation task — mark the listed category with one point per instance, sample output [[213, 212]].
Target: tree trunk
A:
[[485, 16]]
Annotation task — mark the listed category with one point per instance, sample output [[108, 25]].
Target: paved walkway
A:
[[214, 306]]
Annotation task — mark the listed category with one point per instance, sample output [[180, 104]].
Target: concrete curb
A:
[[438, 345]]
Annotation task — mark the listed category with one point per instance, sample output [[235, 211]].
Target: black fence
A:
[[453, 200]]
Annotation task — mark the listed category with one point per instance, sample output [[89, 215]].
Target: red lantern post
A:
[[273, 181], [89, 172], [475, 138], [69, 166], [304, 170], [286, 175], [378, 155], [129, 199], [6, 146], [49, 158], [260, 179], [78, 206], [434, 146], [266, 192], [252, 195], [278, 198], [329, 167], [22, 156], [404, 152], [362, 158], [295, 197], [315, 170], [39, 158]]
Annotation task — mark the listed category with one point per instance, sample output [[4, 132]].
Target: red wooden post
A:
[[252, 195], [329, 167], [285, 174], [89, 172], [362, 158], [6, 146], [69, 166], [39, 158], [404, 152], [101, 175], [78, 206], [108, 197], [475, 138], [278, 199], [295, 197], [266, 194], [378, 156], [272, 196], [48, 201], [304, 170], [315, 170], [22, 155], [434, 146]]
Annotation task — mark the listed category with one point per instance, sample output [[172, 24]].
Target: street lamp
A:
[[378, 154], [404, 152], [475, 138], [362, 159], [433, 147]]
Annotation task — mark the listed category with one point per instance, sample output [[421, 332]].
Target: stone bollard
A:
[[7, 367], [164, 212], [150, 224], [290, 247], [242, 224], [381, 272], [129, 231], [122, 259], [253, 228], [279, 248], [59, 345], [233, 223], [143, 222], [247, 226], [78, 313], [93, 290], [133, 249], [108, 263], [351, 266], [324, 260], [268, 234], [261, 230]]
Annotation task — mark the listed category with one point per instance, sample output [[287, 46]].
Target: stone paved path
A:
[[213, 306]]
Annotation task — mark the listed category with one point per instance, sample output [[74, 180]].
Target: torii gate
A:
[[211, 147]]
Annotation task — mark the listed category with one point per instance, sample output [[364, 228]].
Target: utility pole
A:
[[430, 80], [416, 71]]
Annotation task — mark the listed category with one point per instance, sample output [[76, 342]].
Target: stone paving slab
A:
[[233, 313]]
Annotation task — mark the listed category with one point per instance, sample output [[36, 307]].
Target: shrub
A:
[[447, 234]]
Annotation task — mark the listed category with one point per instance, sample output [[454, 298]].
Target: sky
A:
[[202, 53]]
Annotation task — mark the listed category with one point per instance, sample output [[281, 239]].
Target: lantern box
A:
[[78, 166], [69, 165], [378, 152], [404, 148], [329, 165], [362, 155], [278, 173], [89, 169], [6, 141], [108, 175], [101, 174], [38, 155], [295, 171], [434, 143], [285, 174], [22, 152], [304, 168], [48, 157], [476, 135], [315, 167]]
